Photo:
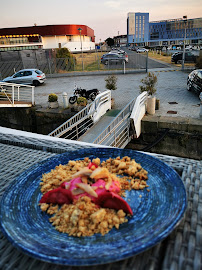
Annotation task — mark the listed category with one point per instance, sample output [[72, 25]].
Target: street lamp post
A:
[[100, 45], [185, 33], [80, 29]]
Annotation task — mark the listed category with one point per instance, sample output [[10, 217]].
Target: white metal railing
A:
[[138, 113], [117, 133], [14, 94], [84, 119]]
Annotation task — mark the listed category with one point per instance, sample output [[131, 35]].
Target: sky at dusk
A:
[[107, 18]]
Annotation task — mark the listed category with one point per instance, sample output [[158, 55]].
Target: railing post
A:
[[115, 138], [18, 93], [77, 133], [13, 96], [32, 95]]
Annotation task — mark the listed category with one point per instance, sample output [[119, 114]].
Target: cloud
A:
[[113, 4]]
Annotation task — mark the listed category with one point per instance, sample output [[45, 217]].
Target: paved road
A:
[[171, 87], [139, 60]]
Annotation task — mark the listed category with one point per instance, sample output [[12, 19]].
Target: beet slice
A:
[[57, 196], [91, 164], [112, 200]]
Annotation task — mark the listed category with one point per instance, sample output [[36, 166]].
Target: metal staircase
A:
[[78, 124], [93, 124]]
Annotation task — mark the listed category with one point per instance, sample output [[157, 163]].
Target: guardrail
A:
[[16, 95], [78, 124]]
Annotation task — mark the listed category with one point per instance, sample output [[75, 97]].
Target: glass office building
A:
[[137, 28], [141, 32]]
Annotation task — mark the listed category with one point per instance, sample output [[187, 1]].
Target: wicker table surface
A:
[[182, 249]]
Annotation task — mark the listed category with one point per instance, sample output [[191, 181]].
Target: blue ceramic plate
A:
[[156, 214]]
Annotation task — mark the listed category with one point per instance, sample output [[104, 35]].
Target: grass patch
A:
[[167, 59], [164, 58], [91, 61]]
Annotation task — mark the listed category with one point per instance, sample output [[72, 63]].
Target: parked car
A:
[[133, 49], [189, 47], [141, 50], [27, 76], [118, 52], [177, 57], [194, 81], [114, 58]]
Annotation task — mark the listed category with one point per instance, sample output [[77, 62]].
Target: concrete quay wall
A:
[[176, 136]]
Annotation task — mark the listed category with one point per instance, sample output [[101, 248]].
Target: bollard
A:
[[65, 100]]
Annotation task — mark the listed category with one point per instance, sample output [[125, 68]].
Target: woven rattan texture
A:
[[181, 250]]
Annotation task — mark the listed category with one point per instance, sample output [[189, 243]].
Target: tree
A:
[[69, 61], [109, 41], [63, 53], [111, 81], [149, 84]]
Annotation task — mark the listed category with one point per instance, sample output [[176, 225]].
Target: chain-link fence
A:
[[78, 62]]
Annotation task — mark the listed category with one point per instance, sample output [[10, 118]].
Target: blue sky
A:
[[106, 17]]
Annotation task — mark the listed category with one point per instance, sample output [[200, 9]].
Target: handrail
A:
[[13, 93], [138, 113], [117, 132], [92, 112]]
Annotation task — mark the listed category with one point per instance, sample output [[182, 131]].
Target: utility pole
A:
[[80, 29], [185, 33]]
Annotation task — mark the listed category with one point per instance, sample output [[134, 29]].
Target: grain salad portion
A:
[[86, 196]]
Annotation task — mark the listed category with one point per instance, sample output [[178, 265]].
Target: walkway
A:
[[95, 131], [171, 87]]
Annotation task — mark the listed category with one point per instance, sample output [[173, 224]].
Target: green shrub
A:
[[52, 98], [82, 101], [111, 81], [149, 84], [68, 59]]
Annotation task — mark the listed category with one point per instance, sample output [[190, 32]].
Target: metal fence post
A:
[[147, 63], [33, 95], [49, 66]]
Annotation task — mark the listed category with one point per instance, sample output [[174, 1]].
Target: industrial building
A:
[[71, 36]]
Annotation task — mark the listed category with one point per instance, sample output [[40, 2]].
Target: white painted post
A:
[[33, 95], [18, 93], [13, 96], [65, 100]]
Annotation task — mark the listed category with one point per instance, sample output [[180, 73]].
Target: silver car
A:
[[27, 76], [114, 58]]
